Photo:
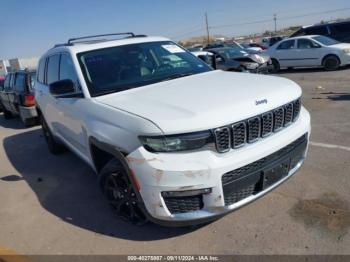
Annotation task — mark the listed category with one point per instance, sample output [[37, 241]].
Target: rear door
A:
[[308, 53], [285, 53], [16, 96], [8, 87]]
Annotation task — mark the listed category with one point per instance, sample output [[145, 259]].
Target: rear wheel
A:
[[275, 66], [54, 147], [331, 63], [7, 114], [120, 194]]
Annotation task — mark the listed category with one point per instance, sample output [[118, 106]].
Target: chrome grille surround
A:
[[250, 130]]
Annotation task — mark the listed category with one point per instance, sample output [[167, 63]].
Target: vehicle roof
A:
[[325, 24], [302, 36], [93, 45], [23, 71]]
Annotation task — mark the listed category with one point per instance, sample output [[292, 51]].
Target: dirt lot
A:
[[52, 205]]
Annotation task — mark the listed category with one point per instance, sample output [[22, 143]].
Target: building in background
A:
[[17, 64]]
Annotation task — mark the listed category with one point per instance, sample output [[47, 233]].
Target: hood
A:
[[341, 45], [204, 101]]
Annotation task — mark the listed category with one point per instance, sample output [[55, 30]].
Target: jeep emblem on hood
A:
[[259, 102]]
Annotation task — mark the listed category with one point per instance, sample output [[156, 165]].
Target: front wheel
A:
[[331, 63], [275, 66], [120, 194]]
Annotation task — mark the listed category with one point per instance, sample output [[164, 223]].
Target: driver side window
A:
[[67, 70]]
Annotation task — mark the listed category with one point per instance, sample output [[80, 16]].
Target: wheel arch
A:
[[101, 153], [331, 54]]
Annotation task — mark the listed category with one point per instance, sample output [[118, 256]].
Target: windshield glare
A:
[[325, 40], [123, 67]]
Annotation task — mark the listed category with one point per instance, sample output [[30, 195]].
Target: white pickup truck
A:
[[172, 140]]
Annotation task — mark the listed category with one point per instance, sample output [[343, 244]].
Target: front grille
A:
[[296, 148], [288, 114], [250, 130], [238, 134], [223, 139], [184, 204], [253, 129], [278, 116]]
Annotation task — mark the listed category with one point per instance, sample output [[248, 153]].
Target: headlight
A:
[[252, 65], [346, 51], [171, 143]]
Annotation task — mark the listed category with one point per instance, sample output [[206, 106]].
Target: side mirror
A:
[[62, 87]]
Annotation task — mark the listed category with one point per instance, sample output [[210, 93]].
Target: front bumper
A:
[[186, 172]]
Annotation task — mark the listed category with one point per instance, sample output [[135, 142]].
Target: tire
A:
[[275, 66], [120, 194], [331, 63], [7, 114], [54, 147]]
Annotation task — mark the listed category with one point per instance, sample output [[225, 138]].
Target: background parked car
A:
[[17, 96], [310, 51], [339, 31], [210, 59], [2, 80], [270, 41], [252, 63], [252, 47]]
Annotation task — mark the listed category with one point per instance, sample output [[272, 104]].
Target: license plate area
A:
[[275, 173]]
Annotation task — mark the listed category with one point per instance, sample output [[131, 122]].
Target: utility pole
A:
[[207, 26], [275, 19]]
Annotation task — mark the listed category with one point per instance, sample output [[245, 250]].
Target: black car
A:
[[17, 96], [253, 63], [339, 31]]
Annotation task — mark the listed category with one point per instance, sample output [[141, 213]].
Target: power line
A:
[[282, 18], [207, 26]]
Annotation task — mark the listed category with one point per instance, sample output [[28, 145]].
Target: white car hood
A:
[[341, 45], [204, 101]]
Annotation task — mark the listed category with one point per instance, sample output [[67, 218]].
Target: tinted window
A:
[[286, 45], [41, 71], [7, 81], [52, 69], [306, 44], [20, 82], [124, 67], [341, 29], [1, 84], [67, 70], [322, 30]]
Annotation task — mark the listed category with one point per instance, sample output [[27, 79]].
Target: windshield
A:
[[325, 40], [32, 80], [124, 67]]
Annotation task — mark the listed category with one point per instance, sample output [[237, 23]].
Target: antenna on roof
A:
[[72, 40]]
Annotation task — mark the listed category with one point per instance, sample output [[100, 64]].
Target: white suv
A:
[[172, 140]]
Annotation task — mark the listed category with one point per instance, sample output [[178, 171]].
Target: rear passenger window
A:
[[67, 70], [8, 82], [20, 82], [41, 71], [52, 69], [286, 44], [341, 29]]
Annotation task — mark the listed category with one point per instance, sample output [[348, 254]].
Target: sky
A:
[[28, 28]]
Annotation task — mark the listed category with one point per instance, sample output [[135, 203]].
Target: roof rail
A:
[[72, 40]]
